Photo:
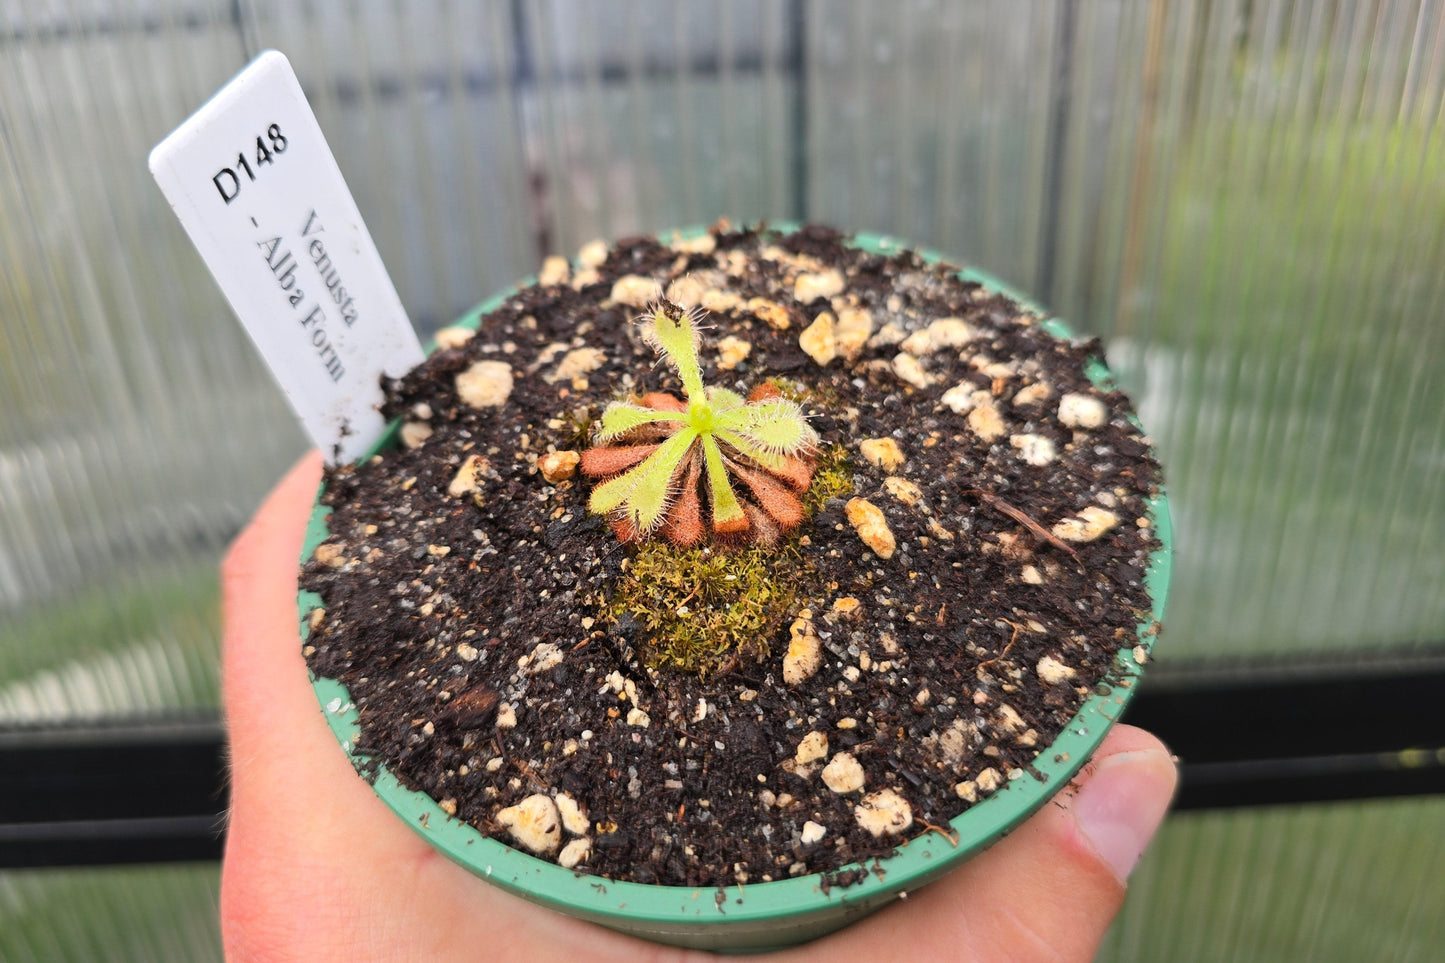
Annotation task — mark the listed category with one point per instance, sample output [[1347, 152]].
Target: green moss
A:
[[705, 610], [833, 478], [790, 389], [819, 395]]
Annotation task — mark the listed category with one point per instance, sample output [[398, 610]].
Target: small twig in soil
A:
[[948, 833], [685, 734], [1012, 639], [1022, 517], [531, 774]]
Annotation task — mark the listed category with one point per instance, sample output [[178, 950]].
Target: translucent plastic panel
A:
[[164, 914], [1266, 270], [1327, 883], [653, 115], [1244, 199], [932, 122], [420, 106], [137, 430]]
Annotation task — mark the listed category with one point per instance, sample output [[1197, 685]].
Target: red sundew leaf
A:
[[683, 526], [608, 460], [764, 530], [772, 496], [796, 472], [662, 401], [625, 531]]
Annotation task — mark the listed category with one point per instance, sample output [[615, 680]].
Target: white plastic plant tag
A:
[[256, 187]]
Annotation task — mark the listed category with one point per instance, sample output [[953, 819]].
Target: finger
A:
[[281, 750], [1049, 890], [261, 665]]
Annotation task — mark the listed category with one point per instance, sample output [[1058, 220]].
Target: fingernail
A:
[[1122, 804]]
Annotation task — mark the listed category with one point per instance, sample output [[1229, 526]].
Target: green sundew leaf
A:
[[645, 490], [773, 411], [611, 494], [621, 417], [767, 430], [732, 419], [678, 340], [783, 435], [779, 411], [721, 399], [752, 449], [725, 507]]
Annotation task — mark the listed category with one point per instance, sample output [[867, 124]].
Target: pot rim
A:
[[679, 913]]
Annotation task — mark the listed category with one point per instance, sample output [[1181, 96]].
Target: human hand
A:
[[317, 867]]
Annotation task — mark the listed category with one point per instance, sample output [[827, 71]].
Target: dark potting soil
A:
[[474, 623]]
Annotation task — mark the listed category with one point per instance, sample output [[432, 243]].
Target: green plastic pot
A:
[[763, 915]]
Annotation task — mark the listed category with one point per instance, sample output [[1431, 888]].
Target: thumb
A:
[[1050, 889]]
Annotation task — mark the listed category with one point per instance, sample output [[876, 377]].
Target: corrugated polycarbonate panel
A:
[[137, 430], [420, 105], [1275, 309], [1327, 883], [1244, 200], [132, 915], [654, 115]]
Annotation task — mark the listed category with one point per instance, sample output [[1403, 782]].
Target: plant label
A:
[[256, 187]]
